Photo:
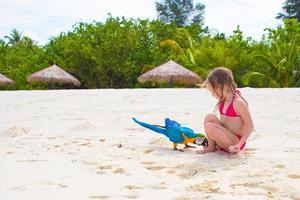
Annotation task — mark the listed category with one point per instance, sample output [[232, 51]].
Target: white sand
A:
[[83, 145]]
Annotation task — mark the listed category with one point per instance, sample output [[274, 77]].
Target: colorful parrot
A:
[[176, 133]]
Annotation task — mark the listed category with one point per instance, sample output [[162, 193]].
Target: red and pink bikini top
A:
[[230, 112]]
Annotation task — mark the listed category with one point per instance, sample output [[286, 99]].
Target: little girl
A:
[[230, 132]]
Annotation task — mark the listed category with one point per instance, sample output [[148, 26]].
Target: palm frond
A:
[[171, 44], [258, 78], [191, 57]]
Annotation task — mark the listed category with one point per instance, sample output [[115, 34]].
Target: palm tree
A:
[[3, 46], [15, 37], [186, 51], [282, 65]]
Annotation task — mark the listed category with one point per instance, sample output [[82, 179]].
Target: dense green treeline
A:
[[112, 54]]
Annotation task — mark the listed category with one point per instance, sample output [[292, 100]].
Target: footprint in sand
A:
[[17, 131], [90, 162], [100, 168], [260, 173], [19, 188], [254, 193], [279, 166], [147, 151], [133, 187], [104, 167], [60, 185], [160, 186], [99, 197], [183, 175], [147, 163], [192, 169], [157, 187], [205, 187], [119, 171], [289, 150], [253, 184], [171, 171], [55, 184], [84, 144], [294, 176], [132, 197], [182, 198], [155, 167], [227, 169]]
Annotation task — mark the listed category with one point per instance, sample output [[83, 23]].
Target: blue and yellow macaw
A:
[[176, 133]]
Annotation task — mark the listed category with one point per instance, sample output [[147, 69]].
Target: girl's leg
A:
[[223, 137], [217, 135], [210, 118]]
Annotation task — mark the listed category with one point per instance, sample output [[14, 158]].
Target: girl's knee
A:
[[209, 127], [210, 118]]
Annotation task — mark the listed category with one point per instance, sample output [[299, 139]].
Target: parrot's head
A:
[[201, 141]]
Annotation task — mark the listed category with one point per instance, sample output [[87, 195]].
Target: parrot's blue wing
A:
[[170, 122], [173, 131]]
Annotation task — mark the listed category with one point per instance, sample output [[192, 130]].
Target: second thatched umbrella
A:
[[4, 80], [53, 74], [171, 72]]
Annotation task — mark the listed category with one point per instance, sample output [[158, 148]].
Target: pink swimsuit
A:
[[230, 112]]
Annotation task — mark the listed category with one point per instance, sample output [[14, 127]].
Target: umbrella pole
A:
[[170, 83]]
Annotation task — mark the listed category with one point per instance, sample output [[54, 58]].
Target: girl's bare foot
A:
[[206, 150]]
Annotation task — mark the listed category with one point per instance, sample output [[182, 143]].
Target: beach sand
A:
[[82, 144]]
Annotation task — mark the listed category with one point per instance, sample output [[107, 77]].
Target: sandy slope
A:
[[83, 145]]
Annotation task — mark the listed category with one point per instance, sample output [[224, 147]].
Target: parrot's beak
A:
[[201, 141]]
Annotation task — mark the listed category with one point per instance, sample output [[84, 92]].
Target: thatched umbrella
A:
[[4, 80], [53, 74], [171, 72]]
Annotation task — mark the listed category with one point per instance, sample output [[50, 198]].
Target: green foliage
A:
[[18, 59], [291, 10], [14, 38], [180, 12], [280, 60], [114, 53], [111, 54]]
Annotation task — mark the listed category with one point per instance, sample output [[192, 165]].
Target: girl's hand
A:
[[234, 148]]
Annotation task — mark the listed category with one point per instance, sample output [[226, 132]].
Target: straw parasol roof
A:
[[171, 72], [4, 80], [53, 74]]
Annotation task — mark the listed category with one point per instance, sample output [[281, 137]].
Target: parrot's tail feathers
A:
[[155, 128]]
